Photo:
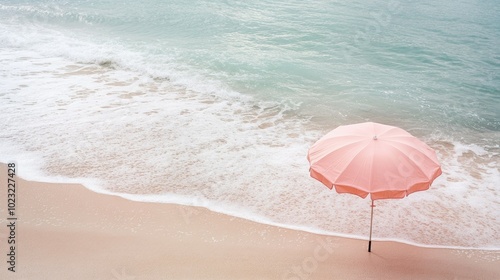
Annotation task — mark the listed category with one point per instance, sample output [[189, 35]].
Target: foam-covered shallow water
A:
[[187, 119]]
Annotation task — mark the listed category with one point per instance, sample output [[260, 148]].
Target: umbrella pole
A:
[[371, 223]]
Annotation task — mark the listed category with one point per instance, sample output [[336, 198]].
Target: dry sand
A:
[[65, 231]]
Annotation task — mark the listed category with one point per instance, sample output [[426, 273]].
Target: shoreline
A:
[[67, 231], [252, 218], [298, 228], [469, 168]]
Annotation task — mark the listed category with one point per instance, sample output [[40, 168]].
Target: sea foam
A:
[[141, 126]]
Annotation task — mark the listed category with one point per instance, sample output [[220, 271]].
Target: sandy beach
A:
[[66, 231], [177, 139]]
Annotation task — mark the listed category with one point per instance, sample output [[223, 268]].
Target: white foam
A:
[[118, 128], [460, 149]]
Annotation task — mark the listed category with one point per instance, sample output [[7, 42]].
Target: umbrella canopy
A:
[[373, 159]]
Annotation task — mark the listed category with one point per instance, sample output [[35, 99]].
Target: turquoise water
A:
[[215, 103]]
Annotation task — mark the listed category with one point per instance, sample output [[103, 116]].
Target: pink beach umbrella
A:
[[370, 158]]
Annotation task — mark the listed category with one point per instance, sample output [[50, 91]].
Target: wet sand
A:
[[65, 231]]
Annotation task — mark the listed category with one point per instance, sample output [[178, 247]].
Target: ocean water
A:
[[215, 104]]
